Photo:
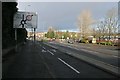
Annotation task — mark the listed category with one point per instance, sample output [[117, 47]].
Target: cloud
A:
[[63, 15], [68, 0]]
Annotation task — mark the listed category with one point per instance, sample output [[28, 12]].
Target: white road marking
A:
[[69, 65], [109, 64], [116, 56], [89, 51], [69, 46], [53, 50], [44, 48], [98, 53], [73, 47], [50, 52], [77, 49]]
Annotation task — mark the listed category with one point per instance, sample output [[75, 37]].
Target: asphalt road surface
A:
[[109, 59], [41, 61]]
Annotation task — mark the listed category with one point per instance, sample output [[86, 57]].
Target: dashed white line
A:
[[53, 50], [43, 51], [69, 65], [44, 48], [50, 52]]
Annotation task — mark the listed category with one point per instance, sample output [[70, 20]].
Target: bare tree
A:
[[84, 22], [111, 22]]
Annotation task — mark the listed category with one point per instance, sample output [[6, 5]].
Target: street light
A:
[[32, 30]]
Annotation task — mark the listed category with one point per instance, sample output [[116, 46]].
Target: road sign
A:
[[25, 20]]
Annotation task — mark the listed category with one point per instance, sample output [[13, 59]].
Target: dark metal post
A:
[[34, 34], [16, 39]]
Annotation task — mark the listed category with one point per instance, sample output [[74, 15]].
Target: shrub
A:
[[108, 43], [84, 40]]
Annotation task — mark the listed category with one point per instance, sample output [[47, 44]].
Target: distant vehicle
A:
[[70, 41], [78, 41]]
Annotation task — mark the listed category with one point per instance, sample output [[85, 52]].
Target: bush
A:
[[106, 43], [109, 43], [103, 43], [84, 40]]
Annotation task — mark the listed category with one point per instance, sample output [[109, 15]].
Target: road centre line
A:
[[50, 52], [69, 65]]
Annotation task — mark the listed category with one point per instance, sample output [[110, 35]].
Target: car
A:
[[70, 41]]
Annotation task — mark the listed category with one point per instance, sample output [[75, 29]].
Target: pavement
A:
[[42, 61], [5, 51], [25, 63], [108, 62]]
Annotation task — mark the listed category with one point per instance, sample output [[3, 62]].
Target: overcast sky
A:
[[63, 15]]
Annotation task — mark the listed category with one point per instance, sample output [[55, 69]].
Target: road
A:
[[41, 61], [109, 59]]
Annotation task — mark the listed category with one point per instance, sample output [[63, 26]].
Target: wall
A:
[[8, 32]]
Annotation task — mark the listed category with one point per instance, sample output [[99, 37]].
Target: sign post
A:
[[34, 35], [16, 39], [25, 20]]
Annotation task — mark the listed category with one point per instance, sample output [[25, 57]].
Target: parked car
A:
[[70, 41]]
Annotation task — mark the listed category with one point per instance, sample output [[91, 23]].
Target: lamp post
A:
[[26, 11], [32, 29]]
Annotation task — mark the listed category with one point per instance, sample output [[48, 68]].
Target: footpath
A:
[[6, 51], [25, 63]]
